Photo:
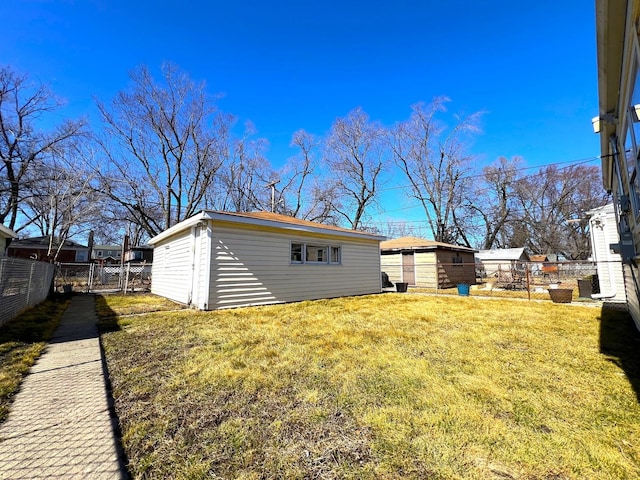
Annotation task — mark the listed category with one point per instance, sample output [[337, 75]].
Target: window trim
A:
[[291, 260], [327, 248], [339, 250], [630, 131]]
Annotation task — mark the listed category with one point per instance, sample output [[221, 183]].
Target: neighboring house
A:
[[426, 263], [36, 248], [604, 233], [218, 260], [106, 254], [545, 265], [6, 235], [539, 264], [504, 264], [618, 123], [140, 254], [112, 254]]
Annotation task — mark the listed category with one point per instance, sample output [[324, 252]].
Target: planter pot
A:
[[401, 286], [561, 295], [585, 288]]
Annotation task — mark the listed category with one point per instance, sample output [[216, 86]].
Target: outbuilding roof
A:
[[496, 254], [264, 219], [43, 242], [7, 232], [416, 243]]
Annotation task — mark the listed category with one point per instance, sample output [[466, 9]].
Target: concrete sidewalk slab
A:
[[60, 424]]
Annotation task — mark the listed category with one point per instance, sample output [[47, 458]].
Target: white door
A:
[[194, 294]]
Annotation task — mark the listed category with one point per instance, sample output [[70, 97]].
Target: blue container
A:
[[463, 289]]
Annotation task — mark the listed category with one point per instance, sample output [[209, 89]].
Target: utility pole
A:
[[272, 185]]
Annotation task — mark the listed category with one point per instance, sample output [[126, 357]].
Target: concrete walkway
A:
[[60, 425]]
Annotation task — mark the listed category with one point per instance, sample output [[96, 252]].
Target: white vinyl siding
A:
[[392, 265], [171, 269], [604, 232], [201, 236], [254, 266], [426, 269]]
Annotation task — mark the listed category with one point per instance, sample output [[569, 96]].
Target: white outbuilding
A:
[[217, 260], [605, 241], [6, 235]]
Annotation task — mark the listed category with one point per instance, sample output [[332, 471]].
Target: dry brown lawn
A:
[[386, 386]]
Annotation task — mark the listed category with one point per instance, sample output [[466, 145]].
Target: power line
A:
[[571, 163]]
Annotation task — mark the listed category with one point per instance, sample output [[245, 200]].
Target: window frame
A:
[[631, 140], [302, 253], [320, 252], [337, 248]]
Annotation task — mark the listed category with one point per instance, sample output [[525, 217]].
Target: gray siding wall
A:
[[251, 266]]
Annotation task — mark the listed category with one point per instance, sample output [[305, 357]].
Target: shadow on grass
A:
[[620, 342], [107, 321], [37, 323], [107, 318]]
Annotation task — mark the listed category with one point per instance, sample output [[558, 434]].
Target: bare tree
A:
[[63, 202], [242, 182], [395, 229], [436, 164], [435, 167], [296, 176], [553, 205], [301, 191], [164, 143], [355, 156], [493, 202], [23, 108]]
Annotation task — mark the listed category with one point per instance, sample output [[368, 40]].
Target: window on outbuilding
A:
[[296, 252], [316, 254], [336, 255]]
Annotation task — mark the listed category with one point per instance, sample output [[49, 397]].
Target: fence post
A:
[[90, 279], [527, 267], [30, 285], [126, 283]]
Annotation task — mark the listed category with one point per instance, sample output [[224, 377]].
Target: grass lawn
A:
[[21, 343], [386, 386]]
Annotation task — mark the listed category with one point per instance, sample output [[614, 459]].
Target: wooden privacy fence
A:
[[23, 284]]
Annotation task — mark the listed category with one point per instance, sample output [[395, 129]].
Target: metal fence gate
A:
[[91, 277]]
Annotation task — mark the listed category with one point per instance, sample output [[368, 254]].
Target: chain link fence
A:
[[92, 277], [577, 280], [23, 284]]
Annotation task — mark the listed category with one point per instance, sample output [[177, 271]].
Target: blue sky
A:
[[285, 65]]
